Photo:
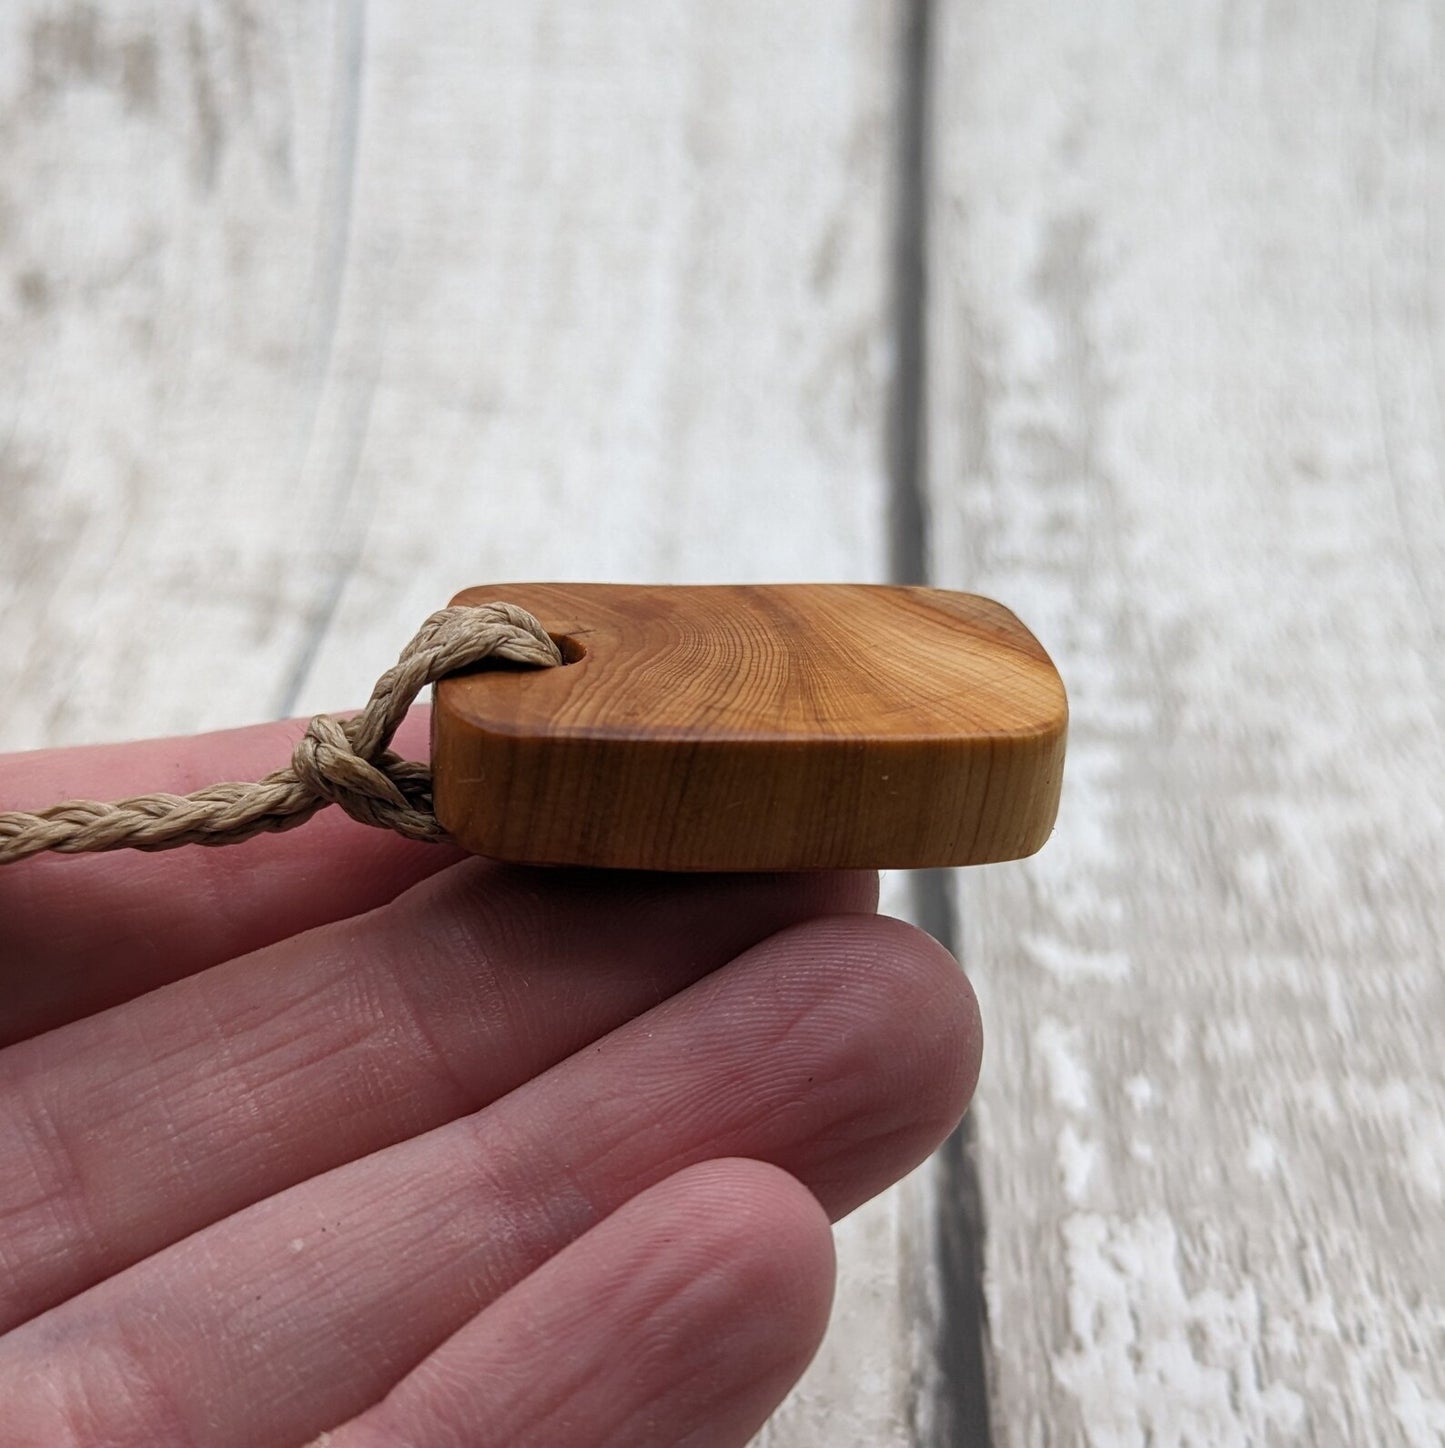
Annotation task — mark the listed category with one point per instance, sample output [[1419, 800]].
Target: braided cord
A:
[[346, 762]]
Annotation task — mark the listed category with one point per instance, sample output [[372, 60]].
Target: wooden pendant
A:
[[787, 727]]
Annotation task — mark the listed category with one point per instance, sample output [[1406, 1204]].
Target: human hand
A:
[[332, 1133]]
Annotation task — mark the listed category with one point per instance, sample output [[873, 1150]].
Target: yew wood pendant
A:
[[786, 727]]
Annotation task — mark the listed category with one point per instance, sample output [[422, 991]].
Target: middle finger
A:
[[123, 1132]]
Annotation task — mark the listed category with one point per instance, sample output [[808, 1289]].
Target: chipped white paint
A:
[[1152, 1362], [311, 315], [1070, 963], [1420, 1414], [1068, 1078], [1077, 1157], [1187, 415], [1262, 1155]]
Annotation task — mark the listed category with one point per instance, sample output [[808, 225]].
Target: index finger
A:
[[80, 933]]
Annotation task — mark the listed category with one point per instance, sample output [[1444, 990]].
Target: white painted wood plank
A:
[[1186, 416], [599, 322], [311, 315]]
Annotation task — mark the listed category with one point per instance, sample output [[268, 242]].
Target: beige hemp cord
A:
[[338, 761]]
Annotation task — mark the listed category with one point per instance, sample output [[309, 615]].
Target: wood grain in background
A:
[[308, 318], [312, 315], [1186, 416], [321, 321]]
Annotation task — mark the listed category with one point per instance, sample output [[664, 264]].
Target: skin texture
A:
[[329, 1132]]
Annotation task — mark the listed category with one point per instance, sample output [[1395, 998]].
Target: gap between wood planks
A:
[[959, 1415]]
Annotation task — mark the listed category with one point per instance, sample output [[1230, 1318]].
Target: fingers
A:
[[125, 1131], [841, 1050], [680, 1321], [79, 933]]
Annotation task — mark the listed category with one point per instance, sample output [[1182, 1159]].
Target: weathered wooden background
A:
[[1130, 315]]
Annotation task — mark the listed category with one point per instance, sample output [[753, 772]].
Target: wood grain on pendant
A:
[[800, 726]]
